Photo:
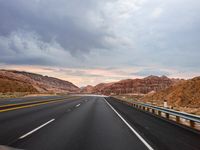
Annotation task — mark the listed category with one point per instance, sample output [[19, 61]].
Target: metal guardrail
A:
[[193, 119]]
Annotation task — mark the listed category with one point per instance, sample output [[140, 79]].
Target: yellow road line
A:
[[31, 105]]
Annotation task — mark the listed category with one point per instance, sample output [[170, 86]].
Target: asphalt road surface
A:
[[87, 123]]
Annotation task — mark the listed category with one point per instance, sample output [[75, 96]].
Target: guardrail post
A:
[[192, 124], [159, 113], [167, 115], [177, 119]]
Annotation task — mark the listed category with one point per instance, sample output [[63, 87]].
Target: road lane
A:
[[14, 124], [160, 133], [92, 125], [131, 128]]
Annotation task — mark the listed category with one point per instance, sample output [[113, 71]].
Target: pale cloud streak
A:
[[93, 76]]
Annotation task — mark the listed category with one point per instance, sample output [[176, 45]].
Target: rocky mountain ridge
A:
[[19, 81], [132, 86]]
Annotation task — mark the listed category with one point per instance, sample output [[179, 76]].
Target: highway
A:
[[87, 123]]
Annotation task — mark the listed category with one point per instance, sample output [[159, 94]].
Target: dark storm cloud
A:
[[66, 22]]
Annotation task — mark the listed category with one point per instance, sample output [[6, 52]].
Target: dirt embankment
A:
[[184, 96]]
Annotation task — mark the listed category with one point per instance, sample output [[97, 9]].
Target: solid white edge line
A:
[[135, 132], [34, 130]]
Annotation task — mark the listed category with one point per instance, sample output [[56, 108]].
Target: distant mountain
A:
[[87, 89], [183, 94], [133, 86], [18, 81]]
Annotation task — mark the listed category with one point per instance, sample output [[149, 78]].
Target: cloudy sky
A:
[[93, 41]]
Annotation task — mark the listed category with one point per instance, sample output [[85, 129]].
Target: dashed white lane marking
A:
[[135, 132], [34, 130], [78, 105]]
